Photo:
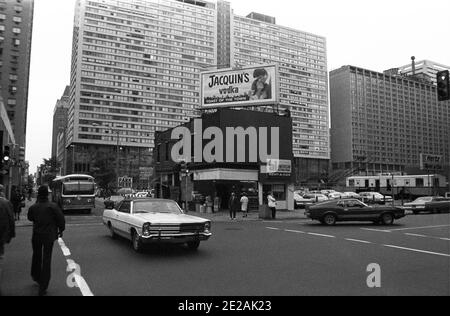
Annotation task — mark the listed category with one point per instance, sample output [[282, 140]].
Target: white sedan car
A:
[[145, 221]]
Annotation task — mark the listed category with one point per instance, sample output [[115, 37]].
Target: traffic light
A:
[[22, 154], [6, 154], [443, 85]]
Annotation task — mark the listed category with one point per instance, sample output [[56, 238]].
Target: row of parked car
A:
[[302, 198]]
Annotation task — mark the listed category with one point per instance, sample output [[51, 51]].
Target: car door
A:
[[123, 214], [362, 212]]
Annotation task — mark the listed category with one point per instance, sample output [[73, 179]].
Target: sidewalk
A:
[[224, 216], [24, 222]]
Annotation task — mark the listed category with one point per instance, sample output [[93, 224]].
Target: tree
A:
[[102, 171], [50, 168]]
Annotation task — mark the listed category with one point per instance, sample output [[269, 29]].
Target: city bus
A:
[[74, 192]]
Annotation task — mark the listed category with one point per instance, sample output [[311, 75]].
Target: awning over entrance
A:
[[226, 174]]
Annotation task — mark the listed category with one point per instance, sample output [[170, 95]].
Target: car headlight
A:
[[146, 229], [207, 226]]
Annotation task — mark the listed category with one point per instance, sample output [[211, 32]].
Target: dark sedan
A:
[[352, 210]]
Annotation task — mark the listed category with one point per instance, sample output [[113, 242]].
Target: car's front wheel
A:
[[329, 219], [136, 242], [111, 231], [193, 245], [387, 219]]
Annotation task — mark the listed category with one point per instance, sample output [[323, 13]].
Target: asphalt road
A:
[[254, 258]]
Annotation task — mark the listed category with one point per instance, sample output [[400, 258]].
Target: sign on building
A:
[[248, 86], [430, 162], [125, 182], [279, 166]]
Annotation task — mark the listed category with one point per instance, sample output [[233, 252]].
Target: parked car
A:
[[428, 204], [146, 221], [439, 205], [352, 195], [375, 197], [141, 194], [301, 201], [336, 195], [328, 213]]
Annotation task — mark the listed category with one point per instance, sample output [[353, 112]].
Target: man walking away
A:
[[7, 226], [233, 205], [48, 224], [244, 205], [272, 204]]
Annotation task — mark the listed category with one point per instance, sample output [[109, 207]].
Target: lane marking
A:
[[357, 240], [74, 279], [446, 239], [376, 230], [423, 227], [416, 235], [321, 235], [273, 228], [62, 245], [418, 250], [294, 231]]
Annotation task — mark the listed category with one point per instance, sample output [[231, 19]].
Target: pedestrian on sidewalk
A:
[[15, 201], [233, 205], [30, 192], [7, 226], [272, 204], [48, 224], [244, 205]]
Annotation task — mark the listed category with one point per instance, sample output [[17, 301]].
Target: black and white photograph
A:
[[221, 156]]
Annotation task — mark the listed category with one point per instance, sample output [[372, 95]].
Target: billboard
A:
[[248, 86], [430, 162]]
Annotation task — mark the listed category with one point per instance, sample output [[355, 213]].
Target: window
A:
[[16, 30], [18, 8], [16, 19], [2, 27], [125, 207], [12, 102], [2, 17], [419, 182]]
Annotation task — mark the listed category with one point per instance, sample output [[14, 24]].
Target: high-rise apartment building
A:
[[16, 24], [382, 123], [136, 70], [302, 62]]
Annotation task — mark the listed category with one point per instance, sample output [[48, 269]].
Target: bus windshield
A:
[[78, 188]]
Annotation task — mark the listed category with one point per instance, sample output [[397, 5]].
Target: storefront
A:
[[234, 168]]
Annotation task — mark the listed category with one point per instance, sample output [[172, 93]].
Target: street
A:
[[294, 257]]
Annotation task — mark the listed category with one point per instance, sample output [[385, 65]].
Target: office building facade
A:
[[382, 122], [16, 24], [60, 115]]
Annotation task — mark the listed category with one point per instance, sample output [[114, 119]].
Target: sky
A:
[[375, 35]]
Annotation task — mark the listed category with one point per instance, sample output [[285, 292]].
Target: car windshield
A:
[[167, 207], [78, 188]]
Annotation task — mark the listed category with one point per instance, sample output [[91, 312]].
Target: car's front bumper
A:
[[175, 238]]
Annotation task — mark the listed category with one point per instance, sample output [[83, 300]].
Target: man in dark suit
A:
[[7, 226], [48, 224]]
